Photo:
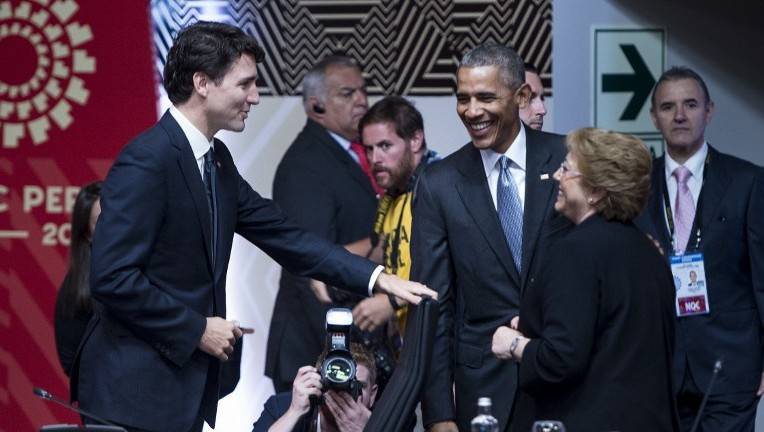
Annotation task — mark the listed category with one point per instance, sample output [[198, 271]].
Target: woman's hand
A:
[[508, 344]]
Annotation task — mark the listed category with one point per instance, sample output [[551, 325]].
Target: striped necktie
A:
[[684, 207], [510, 211]]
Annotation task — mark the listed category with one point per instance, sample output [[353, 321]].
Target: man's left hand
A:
[[411, 292], [760, 391], [350, 415], [372, 312]]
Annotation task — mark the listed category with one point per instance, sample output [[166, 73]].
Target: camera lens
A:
[[338, 370]]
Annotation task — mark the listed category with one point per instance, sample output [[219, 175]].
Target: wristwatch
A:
[[513, 347]]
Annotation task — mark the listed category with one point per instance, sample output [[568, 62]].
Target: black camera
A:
[[338, 371]]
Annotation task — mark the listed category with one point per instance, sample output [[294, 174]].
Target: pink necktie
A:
[[684, 207]]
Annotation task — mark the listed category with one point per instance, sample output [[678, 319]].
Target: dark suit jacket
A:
[[153, 274], [732, 242], [601, 325], [324, 191], [459, 250], [275, 407]]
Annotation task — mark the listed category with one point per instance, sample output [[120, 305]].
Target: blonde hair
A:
[[617, 164]]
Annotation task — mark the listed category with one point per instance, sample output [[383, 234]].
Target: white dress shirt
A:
[[200, 145], [345, 145], [696, 163], [516, 154]]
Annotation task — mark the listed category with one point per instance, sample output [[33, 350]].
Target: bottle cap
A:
[[484, 401]]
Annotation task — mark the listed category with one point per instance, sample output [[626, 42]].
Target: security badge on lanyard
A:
[[690, 282], [688, 268]]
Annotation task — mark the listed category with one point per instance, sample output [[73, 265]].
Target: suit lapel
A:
[[227, 193], [194, 182], [716, 182], [474, 192], [538, 195], [333, 147]]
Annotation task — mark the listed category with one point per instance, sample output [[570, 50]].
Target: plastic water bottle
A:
[[484, 421]]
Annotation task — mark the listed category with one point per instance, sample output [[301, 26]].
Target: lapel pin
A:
[[544, 176]]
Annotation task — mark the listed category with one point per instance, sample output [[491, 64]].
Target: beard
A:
[[398, 176]]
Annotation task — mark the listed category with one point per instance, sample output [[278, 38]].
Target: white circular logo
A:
[[46, 51]]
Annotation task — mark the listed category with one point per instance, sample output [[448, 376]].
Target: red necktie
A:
[[358, 149]]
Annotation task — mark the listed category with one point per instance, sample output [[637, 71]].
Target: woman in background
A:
[[74, 307]]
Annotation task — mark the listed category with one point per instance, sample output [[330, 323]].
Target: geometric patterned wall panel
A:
[[406, 47]]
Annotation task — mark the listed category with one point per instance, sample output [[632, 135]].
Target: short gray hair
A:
[[314, 81], [511, 65]]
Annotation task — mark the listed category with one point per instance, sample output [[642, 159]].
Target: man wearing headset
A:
[[321, 183]]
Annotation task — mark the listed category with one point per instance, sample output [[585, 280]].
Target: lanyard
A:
[[697, 221]]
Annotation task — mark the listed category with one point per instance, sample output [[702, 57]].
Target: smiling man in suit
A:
[[478, 217], [705, 201], [171, 203]]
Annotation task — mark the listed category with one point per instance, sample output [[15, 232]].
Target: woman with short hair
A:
[[596, 330]]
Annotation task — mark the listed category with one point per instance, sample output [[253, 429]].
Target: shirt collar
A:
[[199, 143], [516, 153], [694, 163], [345, 144]]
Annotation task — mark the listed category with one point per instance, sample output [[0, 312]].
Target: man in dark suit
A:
[[475, 235], [715, 208], [170, 205], [321, 185], [292, 411]]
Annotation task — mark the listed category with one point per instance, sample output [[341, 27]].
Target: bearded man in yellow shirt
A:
[[392, 132]]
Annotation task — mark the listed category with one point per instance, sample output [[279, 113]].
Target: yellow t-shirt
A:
[[393, 221]]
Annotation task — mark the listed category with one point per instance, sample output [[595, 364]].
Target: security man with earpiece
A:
[[325, 185]]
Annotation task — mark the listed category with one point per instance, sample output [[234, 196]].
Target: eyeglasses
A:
[[566, 172]]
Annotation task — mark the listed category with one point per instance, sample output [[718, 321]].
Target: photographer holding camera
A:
[[337, 395], [293, 411]]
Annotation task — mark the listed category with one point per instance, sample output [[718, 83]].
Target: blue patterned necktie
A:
[[210, 187], [510, 211]]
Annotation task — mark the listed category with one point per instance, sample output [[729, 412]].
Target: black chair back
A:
[[394, 411]]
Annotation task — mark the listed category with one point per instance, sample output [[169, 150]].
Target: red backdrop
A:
[[76, 83]]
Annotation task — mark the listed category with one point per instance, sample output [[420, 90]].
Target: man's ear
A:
[[201, 81], [654, 116], [373, 395], [315, 107], [709, 111], [417, 141], [523, 96]]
